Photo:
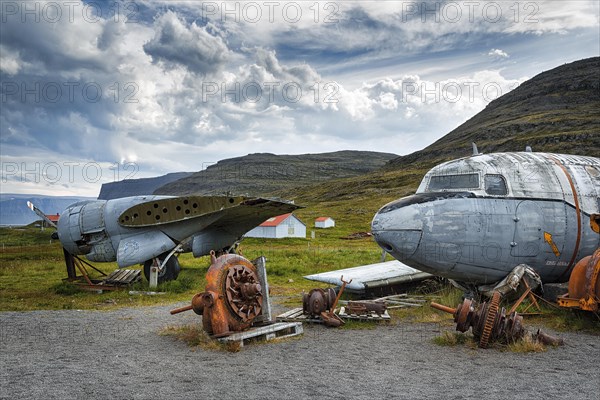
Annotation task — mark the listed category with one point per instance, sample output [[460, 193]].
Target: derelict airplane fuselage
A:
[[474, 219], [151, 229]]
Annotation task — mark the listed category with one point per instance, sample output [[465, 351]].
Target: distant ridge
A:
[[14, 210], [137, 187], [557, 111], [261, 174]]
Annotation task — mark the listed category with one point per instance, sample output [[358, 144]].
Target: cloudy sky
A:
[[97, 91]]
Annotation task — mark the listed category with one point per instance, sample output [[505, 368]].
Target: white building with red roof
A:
[[324, 222], [281, 226]]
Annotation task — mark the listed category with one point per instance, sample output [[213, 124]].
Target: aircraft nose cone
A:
[[398, 229]]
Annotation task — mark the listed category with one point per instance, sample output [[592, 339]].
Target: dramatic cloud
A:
[[193, 47], [175, 86]]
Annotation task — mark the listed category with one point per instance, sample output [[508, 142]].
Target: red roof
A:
[[322, 219], [53, 218], [275, 221]]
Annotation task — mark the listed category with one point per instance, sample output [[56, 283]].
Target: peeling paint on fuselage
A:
[[475, 235]]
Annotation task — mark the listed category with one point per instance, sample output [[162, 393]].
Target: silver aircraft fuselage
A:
[[474, 219], [132, 230]]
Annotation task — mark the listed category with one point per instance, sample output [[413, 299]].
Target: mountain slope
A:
[[137, 187], [262, 174], [556, 111]]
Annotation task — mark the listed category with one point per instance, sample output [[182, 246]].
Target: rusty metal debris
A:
[[318, 300], [330, 318], [232, 299], [490, 323], [364, 307], [322, 303], [584, 285]]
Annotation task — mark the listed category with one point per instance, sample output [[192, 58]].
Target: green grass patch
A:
[[66, 289], [351, 324], [566, 320], [452, 339], [194, 336], [526, 345]]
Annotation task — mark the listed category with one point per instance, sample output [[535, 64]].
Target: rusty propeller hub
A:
[[244, 293]]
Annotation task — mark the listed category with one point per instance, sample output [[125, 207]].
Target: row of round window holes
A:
[[164, 210]]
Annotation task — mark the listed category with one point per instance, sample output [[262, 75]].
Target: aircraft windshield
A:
[[453, 182], [495, 185]]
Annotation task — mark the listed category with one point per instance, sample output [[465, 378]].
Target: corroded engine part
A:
[[365, 307], [232, 298], [584, 285], [317, 301], [489, 322]]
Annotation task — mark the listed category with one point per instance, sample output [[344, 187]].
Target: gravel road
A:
[[119, 354]]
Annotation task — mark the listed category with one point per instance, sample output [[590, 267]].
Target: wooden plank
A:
[[121, 275], [278, 330], [372, 316], [112, 274], [290, 313], [131, 276], [296, 315], [115, 275]]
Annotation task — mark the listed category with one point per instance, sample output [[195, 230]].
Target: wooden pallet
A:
[[123, 277], [296, 315], [278, 330], [372, 316]]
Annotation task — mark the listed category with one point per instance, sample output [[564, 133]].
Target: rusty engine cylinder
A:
[[317, 301], [232, 298], [584, 284]]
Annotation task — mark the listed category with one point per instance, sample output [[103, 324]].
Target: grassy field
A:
[[32, 266], [32, 270]]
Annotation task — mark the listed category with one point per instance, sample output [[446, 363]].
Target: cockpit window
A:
[[495, 185], [452, 182]]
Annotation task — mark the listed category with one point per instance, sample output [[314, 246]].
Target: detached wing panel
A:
[[140, 248], [371, 276]]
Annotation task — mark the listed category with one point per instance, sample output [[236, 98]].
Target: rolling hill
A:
[[137, 187], [263, 174]]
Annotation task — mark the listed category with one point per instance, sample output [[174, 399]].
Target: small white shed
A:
[[282, 226], [324, 222]]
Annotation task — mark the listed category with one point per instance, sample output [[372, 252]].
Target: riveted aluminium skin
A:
[[476, 236]]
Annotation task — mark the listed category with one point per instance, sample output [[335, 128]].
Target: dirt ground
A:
[[119, 354]]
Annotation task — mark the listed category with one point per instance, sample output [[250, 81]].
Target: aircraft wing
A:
[[249, 214], [371, 276], [225, 211]]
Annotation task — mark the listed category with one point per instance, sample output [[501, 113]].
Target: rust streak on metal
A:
[[577, 210], [442, 307], [181, 309]]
